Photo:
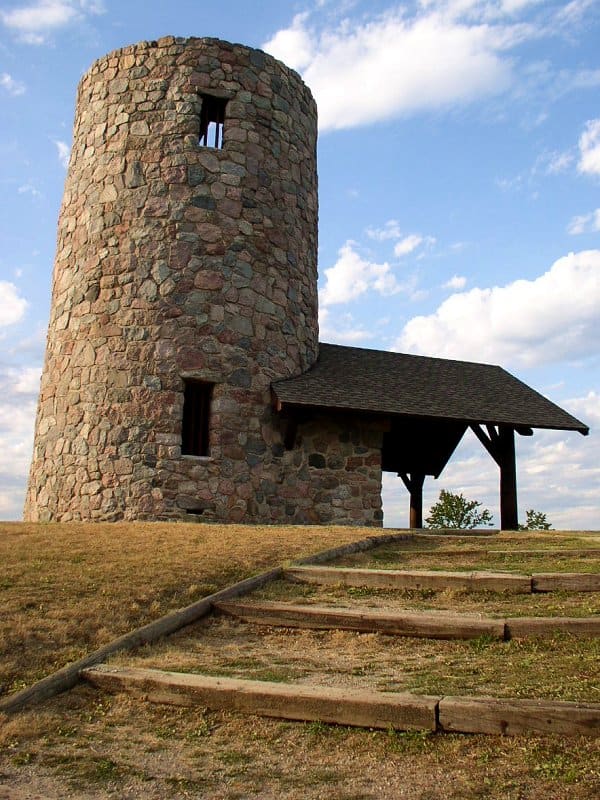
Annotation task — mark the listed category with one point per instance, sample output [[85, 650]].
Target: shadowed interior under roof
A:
[[357, 379]]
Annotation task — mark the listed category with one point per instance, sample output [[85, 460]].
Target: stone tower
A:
[[184, 284]]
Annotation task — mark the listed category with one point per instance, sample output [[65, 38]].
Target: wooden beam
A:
[[500, 443], [414, 483]]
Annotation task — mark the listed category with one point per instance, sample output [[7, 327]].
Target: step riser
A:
[[416, 624], [518, 717], [354, 707], [439, 580], [395, 579], [363, 709], [405, 624]]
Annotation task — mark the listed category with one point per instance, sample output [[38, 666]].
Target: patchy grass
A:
[[507, 552], [533, 667]]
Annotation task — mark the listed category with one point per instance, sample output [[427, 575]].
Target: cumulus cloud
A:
[[34, 22], [12, 306], [10, 85], [19, 387], [527, 322], [64, 153], [352, 275], [456, 282], [585, 223], [589, 148], [378, 68], [294, 45], [341, 329], [405, 243], [390, 230]]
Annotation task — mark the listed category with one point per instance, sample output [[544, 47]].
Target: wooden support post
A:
[[508, 480], [500, 444], [414, 483]]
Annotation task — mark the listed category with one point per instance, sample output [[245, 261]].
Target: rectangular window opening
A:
[[197, 398], [212, 121]]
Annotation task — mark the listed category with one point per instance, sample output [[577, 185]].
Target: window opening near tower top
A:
[[212, 121]]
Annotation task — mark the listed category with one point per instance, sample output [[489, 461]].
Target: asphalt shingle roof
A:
[[357, 379]]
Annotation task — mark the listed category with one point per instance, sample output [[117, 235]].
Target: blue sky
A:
[[459, 178]]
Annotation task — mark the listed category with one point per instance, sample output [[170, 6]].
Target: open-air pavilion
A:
[[427, 405]]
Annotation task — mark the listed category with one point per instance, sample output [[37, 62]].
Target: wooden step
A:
[[348, 706], [522, 627], [431, 625], [586, 553], [420, 624], [359, 707], [518, 716], [411, 579], [566, 581]]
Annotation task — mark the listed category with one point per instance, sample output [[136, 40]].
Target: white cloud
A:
[[585, 223], [435, 59], [391, 230], [18, 400], [341, 329], [574, 11], [34, 22], [293, 45], [456, 282], [12, 86], [64, 153], [554, 163], [28, 188], [407, 245], [352, 276], [589, 148], [527, 322], [12, 307], [27, 380]]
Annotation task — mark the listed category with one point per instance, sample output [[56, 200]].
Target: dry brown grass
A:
[[67, 589]]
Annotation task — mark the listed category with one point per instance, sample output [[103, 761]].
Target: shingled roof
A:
[[357, 379]]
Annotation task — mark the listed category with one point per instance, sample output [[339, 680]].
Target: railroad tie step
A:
[[419, 624], [351, 706], [431, 625], [411, 579], [566, 581], [357, 707]]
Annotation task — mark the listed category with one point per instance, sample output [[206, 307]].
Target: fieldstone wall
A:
[[175, 260]]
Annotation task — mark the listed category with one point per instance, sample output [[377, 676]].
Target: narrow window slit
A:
[[212, 121], [197, 398]]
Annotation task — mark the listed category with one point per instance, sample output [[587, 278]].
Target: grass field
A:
[[66, 589]]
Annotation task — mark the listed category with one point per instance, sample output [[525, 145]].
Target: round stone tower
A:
[[184, 284]]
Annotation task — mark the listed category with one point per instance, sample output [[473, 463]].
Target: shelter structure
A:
[[183, 375], [427, 405]]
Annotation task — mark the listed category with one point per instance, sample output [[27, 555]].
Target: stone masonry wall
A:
[[175, 260]]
